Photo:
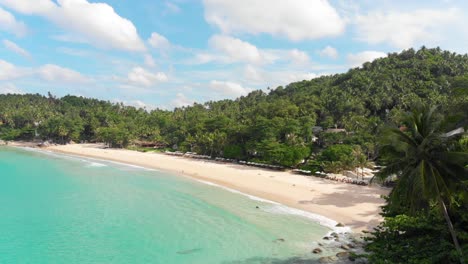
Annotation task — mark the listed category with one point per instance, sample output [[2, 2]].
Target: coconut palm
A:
[[427, 171]]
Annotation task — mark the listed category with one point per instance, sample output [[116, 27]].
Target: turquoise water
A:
[[61, 209]]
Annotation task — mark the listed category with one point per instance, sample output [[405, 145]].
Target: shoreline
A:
[[356, 207]]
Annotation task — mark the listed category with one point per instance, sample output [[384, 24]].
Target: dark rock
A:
[[334, 234], [279, 240], [317, 251], [342, 255], [337, 239], [345, 247], [351, 245], [326, 238], [257, 207], [320, 244], [339, 225]]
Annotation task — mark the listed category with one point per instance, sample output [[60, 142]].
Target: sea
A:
[[56, 208]]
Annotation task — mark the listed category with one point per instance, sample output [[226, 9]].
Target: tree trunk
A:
[[452, 230]]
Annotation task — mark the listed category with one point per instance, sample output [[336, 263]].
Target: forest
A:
[[330, 123], [289, 126]]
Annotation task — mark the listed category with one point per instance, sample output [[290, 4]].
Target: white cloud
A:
[[9, 23], [228, 88], [181, 100], [159, 42], [253, 74], [329, 52], [9, 71], [296, 20], [141, 77], [9, 88], [55, 73], [149, 60], [406, 29], [299, 57], [15, 48], [357, 59], [98, 23], [236, 49]]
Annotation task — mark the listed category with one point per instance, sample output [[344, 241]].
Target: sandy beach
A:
[[354, 206]]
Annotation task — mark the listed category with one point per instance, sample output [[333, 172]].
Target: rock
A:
[[317, 251], [326, 238], [342, 255], [337, 239], [320, 244], [345, 247], [331, 259], [351, 245], [334, 234], [279, 240], [339, 225]]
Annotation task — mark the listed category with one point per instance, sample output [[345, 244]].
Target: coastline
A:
[[356, 207]]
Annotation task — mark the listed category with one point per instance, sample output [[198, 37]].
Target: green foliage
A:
[[412, 239], [426, 212], [337, 157], [360, 100], [233, 152]]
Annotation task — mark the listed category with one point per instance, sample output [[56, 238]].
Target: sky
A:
[[171, 53]]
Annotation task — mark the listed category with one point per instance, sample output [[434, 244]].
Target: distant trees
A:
[[274, 127]]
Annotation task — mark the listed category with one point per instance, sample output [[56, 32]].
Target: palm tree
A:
[[427, 170]]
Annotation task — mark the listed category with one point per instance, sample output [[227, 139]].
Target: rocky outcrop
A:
[[317, 251]]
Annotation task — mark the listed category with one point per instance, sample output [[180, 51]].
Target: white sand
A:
[[355, 206]]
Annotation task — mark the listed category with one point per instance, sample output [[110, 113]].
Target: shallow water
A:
[[62, 209]]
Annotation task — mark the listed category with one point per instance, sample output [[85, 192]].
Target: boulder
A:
[[342, 255], [326, 238], [317, 251], [345, 247], [331, 259], [339, 225], [334, 234]]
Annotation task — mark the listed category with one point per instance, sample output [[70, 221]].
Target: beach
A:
[[354, 206]]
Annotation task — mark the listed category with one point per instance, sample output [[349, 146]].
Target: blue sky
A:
[[171, 53]]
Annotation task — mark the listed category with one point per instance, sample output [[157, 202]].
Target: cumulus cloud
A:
[[55, 73], [149, 60], [9, 88], [299, 57], [15, 48], [357, 59], [9, 23], [159, 42], [9, 71], [236, 49], [47, 72], [228, 88], [296, 20], [181, 100], [141, 77], [97, 23], [329, 52], [405, 29]]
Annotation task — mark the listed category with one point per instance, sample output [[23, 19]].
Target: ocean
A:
[[56, 208]]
